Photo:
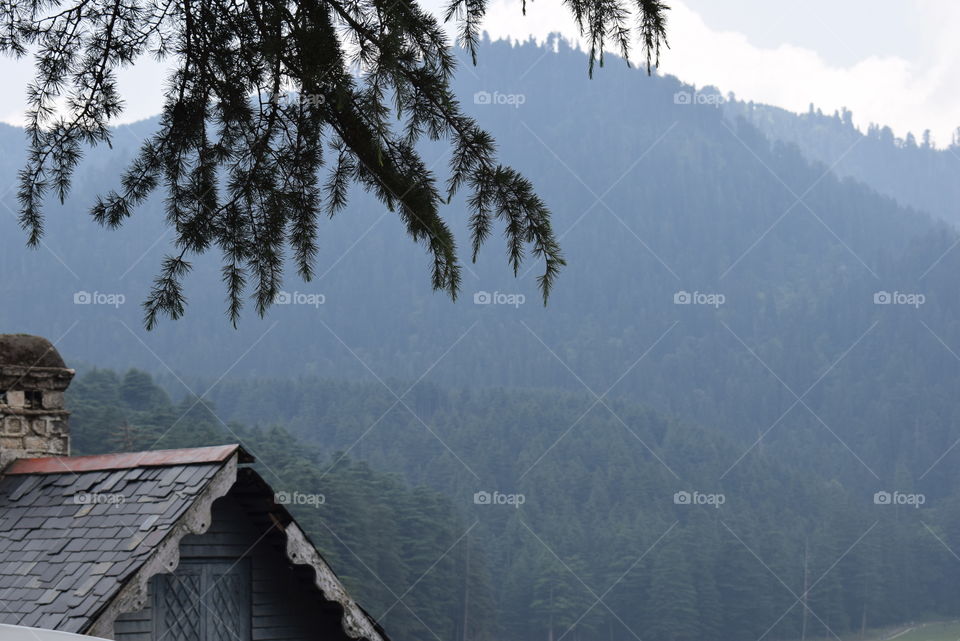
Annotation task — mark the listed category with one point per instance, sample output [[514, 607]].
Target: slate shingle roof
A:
[[77, 534], [69, 539]]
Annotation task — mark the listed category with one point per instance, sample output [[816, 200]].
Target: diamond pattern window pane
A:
[[203, 600], [177, 606]]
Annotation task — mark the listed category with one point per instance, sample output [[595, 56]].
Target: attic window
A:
[[33, 399]]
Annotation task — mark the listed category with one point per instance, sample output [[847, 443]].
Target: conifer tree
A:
[[273, 109], [673, 596], [138, 391]]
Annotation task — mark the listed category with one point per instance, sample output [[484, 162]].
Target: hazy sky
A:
[[896, 62]]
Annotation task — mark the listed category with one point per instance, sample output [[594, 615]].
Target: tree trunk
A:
[[806, 583], [466, 591]]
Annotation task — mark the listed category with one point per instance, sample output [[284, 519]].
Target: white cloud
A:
[[907, 95]]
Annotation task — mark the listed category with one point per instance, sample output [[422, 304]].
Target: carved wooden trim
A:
[[355, 621], [196, 520]]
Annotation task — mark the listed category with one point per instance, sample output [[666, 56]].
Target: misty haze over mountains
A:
[[693, 198], [734, 271]]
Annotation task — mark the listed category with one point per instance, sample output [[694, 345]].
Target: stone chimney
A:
[[33, 378]]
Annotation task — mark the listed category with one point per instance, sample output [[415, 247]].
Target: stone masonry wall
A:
[[33, 421]]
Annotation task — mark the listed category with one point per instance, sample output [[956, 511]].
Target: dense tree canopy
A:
[[599, 518], [265, 97]]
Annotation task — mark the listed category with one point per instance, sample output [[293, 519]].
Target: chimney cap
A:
[[25, 350]]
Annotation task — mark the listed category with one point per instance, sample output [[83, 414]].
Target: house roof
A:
[[69, 540], [80, 537]]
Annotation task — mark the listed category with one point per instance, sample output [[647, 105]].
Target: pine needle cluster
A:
[[272, 110]]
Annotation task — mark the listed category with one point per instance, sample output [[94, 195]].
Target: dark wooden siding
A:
[[135, 626], [286, 606]]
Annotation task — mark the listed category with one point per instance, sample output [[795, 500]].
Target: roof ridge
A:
[[126, 460]]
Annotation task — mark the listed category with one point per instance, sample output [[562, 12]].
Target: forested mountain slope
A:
[[654, 198], [596, 516], [360, 518], [922, 174]]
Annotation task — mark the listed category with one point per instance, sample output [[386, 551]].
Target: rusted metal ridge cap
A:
[[124, 461]]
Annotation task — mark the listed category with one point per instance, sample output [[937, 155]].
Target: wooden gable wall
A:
[[285, 603]]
